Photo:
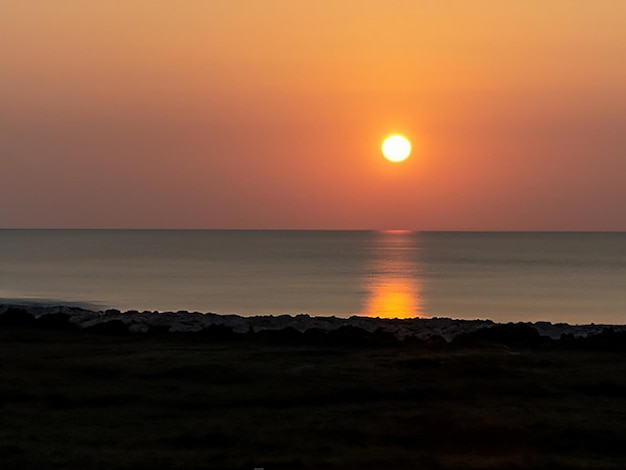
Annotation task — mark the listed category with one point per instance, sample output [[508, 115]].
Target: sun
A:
[[396, 148]]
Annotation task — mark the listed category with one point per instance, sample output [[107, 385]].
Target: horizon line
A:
[[394, 230]]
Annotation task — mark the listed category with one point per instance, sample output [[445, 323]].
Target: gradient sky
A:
[[270, 114]]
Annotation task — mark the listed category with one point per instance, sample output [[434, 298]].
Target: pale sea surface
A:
[[557, 277]]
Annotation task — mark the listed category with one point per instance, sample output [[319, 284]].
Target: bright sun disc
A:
[[396, 148]]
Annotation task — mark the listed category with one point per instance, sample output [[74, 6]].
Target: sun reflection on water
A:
[[393, 298], [392, 284]]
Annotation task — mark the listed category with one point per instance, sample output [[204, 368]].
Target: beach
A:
[[99, 393]]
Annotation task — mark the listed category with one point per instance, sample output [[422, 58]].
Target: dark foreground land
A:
[[73, 399]]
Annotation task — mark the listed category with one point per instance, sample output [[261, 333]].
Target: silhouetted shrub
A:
[[16, 317], [56, 321], [287, 335], [510, 334], [348, 335], [413, 341], [111, 327], [436, 341], [383, 338], [218, 333], [607, 340], [315, 336], [158, 330]]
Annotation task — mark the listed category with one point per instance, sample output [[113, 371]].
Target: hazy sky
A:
[[270, 114]]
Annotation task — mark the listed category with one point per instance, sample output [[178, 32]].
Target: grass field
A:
[[78, 400]]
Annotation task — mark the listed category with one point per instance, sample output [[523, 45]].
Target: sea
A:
[[576, 278]]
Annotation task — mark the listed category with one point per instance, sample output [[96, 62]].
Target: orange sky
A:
[[269, 114]]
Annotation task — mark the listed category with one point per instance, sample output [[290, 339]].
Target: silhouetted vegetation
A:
[[504, 398]]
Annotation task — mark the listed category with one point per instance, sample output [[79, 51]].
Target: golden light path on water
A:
[[392, 286]]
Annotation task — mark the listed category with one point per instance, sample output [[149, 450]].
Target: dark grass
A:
[[69, 399]]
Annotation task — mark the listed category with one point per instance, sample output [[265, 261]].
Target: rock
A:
[[318, 330]]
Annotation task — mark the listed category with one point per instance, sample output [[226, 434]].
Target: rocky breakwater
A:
[[305, 328]]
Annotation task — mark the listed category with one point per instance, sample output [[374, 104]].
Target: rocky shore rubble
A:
[[423, 329]]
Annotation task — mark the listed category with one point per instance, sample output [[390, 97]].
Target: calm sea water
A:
[[570, 277]]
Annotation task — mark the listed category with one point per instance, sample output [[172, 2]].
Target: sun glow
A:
[[396, 148]]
